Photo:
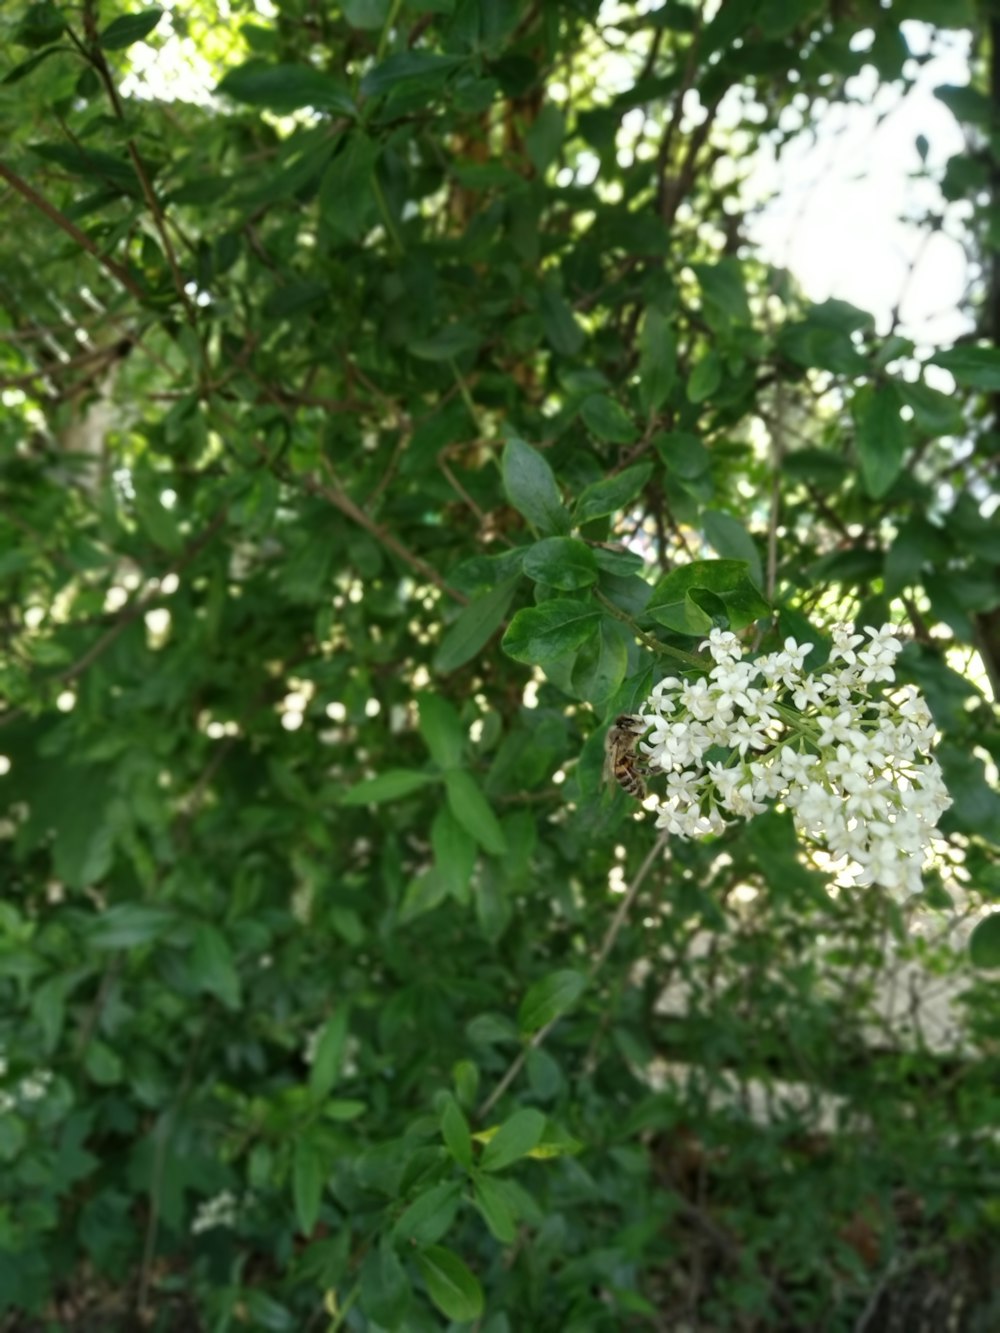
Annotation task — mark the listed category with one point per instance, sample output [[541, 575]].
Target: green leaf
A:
[[385, 1288], [347, 203], [515, 1138], [559, 322], [472, 810], [973, 367], [547, 999], [307, 1185], [984, 942], [13, 1136], [730, 538], [388, 786], [622, 564], [128, 925], [212, 966], [491, 1200], [705, 378], [447, 342], [657, 361], [414, 70], [684, 454], [442, 730], [545, 136], [723, 293], [295, 298], [158, 522], [466, 1077], [943, 13], [368, 15], [344, 1108], [129, 28], [286, 88], [93, 164], [540, 634], [917, 544], [977, 802], [475, 626], [816, 343], [612, 494], [934, 412], [881, 437], [455, 1132], [602, 663], [430, 1215], [675, 603], [450, 1285], [605, 419], [561, 562], [454, 854], [22, 70], [39, 24], [531, 488], [423, 893], [328, 1054], [103, 1064]]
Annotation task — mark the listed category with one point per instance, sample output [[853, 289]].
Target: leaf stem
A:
[[383, 208], [390, 19], [72, 231], [465, 395], [345, 1309], [666, 649]]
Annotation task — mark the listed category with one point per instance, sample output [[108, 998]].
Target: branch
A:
[[80, 237], [607, 944], [95, 56], [339, 498], [689, 659], [129, 613]]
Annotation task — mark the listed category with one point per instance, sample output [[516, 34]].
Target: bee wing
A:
[[611, 745]]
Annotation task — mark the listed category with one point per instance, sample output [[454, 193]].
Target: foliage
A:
[[376, 432]]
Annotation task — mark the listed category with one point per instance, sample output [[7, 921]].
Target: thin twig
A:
[[95, 56], [607, 944], [777, 457], [80, 237], [689, 659], [339, 498], [129, 613]]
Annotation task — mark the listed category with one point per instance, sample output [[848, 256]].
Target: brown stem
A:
[[339, 498], [95, 56], [80, 237]]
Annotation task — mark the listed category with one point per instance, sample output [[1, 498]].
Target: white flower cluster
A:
[[221, 1210], [850, 763]]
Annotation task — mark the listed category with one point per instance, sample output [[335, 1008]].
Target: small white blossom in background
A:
[[219, 1211], [852, 764]]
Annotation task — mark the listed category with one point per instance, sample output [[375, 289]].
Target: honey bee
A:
[[621, 763]]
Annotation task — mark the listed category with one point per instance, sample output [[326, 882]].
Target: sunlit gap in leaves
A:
[[799, 203], [157, 624], [187, 68]]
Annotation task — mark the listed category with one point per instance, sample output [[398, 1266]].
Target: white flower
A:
[[219, 1211], [851, 765], [723, 646]]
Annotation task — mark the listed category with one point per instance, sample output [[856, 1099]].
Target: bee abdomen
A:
[[632, 783]]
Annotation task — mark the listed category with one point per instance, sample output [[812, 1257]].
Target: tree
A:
[[376, 434]]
